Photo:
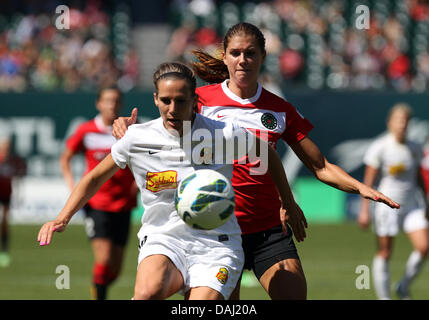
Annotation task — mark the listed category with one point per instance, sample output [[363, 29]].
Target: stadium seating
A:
[[336, 54]]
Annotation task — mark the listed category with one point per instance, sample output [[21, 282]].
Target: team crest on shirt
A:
[[269, 121], [222, 275], [157, 181]]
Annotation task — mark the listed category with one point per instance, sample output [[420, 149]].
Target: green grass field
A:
[[330, 255]]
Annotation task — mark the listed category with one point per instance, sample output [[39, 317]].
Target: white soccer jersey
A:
[[158, 163], [399, 165]]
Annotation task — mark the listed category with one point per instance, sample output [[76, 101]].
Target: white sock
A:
[[412, 268], [381, 277]]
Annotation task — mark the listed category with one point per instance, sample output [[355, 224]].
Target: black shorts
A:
[[266, 248], [111, 225]]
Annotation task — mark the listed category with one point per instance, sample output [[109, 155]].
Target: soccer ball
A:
[[205, 199]]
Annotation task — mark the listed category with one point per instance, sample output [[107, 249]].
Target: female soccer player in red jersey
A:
[[11, 167], [237, 96], [107, 215]]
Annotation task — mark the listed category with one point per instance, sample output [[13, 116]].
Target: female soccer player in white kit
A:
[[397, 161], [174, 257]]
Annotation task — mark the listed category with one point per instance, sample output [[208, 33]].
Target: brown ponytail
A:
[[209, 68]]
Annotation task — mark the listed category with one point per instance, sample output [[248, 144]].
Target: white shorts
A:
[[388, 221], [214, 264]]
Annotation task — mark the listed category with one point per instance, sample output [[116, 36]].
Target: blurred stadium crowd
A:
[[34, 54], [309, 43], [316, 43]]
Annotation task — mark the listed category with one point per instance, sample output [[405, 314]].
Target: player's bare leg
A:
[[203, 293], [157, 278], [420, 242], [235, 295], [285, 280], [107, 264], [380, 267], [116, 258]]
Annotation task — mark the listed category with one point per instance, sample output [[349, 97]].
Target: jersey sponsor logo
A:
[[157, 181], [269, 121], [396, 170], [222, 275]]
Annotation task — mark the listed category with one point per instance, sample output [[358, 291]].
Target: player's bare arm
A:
[[81, 194], [290, 212], [121, 124], [333, 175], [364, 216]]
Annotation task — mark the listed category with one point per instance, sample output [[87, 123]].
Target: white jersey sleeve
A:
[[372, 156], [419, 152], [120, 150]]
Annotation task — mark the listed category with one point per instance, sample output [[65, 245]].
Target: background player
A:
[[238, 97], [397, 161], [107, 214], [174, 256], [11, 167]]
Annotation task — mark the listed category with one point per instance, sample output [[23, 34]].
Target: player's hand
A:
[[47, 231], [121, 124], [294, 216], [364, 219], [371, 194]]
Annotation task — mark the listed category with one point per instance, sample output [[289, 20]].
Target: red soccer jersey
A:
[[95, 139], [257, 201]]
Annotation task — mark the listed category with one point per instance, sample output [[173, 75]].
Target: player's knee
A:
[[384, 253], [149, 291], [424, 250]]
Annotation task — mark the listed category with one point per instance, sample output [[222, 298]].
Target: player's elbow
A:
[[320, 168]]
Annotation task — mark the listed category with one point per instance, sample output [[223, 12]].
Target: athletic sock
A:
[[98, 291], [103, 276], [4, 239], [412, 268], [381, 277]]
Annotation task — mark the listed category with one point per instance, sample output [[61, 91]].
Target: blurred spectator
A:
[[419, 10], [291, 63], [35, 55]]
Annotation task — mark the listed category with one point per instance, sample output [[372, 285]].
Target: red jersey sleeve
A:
[[297, 127], [75, 141], [201, 100]]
